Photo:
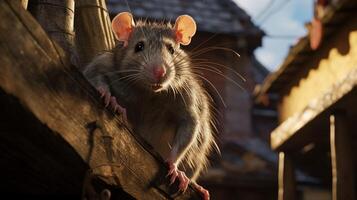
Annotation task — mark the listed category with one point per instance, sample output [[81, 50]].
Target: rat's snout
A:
[[159, 72]]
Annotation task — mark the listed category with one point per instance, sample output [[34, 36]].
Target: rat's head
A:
[[151, 53]]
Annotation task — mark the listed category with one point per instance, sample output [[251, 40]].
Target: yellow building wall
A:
[[331, 64]]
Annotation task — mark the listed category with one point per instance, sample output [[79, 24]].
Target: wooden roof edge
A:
[[271, 79], [299, 48], [36, 72], [294, 124]]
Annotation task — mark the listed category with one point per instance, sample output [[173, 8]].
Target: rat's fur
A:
[[177, 118]]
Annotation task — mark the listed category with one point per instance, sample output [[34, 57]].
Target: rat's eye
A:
[[170, 48], [139, 46]]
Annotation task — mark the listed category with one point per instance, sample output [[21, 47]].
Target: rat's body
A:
[[150, 76]]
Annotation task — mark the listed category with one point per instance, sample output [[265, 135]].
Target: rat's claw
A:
[[102, 91], [184, 181], [172, 168], [115, 105], [111, 101], [175, 173], [104, 94], [124, 114], [204, 193], [107, 99]]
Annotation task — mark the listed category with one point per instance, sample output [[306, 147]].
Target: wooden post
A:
[[93, 29], [286, 179], [343, 186], [56, 18]]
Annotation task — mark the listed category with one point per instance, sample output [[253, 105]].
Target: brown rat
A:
[[150, 76]]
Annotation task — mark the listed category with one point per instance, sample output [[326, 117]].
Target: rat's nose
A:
[[159, 72]]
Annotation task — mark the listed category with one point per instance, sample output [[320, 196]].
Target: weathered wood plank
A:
[[286, 179], [93, 29], [342, 159], [35, 71]]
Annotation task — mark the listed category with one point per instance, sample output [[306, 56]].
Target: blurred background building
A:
[[315, 93], [246, 168]]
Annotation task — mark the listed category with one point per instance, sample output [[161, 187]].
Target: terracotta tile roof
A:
[[215, 16]]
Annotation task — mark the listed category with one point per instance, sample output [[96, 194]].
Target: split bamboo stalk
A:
[[56, 18], [93, 29]]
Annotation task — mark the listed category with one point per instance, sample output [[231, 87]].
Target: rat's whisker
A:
[[131, 81], [111, 73], [183, 98], [205, 61], [208, 39], [224, 66], [224, 76], [173, 91], [125, 77], [210, 67], [208, 49], [215, 89]]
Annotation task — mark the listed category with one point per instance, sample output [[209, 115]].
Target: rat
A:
[[148, 78]]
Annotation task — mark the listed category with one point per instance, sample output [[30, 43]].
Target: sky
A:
[[284, 23]]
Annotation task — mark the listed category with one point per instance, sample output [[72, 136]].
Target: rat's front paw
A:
[[110, 101], [174, 173]]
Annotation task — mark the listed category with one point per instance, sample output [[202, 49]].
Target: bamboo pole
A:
[[93, 29], [24, 3], [56, 18]]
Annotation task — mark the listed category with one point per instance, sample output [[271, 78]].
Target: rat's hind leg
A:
[[174, 173]]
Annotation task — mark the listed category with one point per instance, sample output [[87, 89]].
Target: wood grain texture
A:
[[93, 29], [36, 72], [56, 18]]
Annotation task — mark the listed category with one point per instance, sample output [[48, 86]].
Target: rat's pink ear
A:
[[185, 29], [122, 26]]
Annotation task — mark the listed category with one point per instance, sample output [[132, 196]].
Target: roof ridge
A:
[[214, 16]]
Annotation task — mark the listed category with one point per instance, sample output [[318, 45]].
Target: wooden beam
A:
[[342, 158], [35, 71], [93, 30], [286, 178]]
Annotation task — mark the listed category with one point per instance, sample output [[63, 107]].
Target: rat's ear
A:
[[122, 26], [185, 28]]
